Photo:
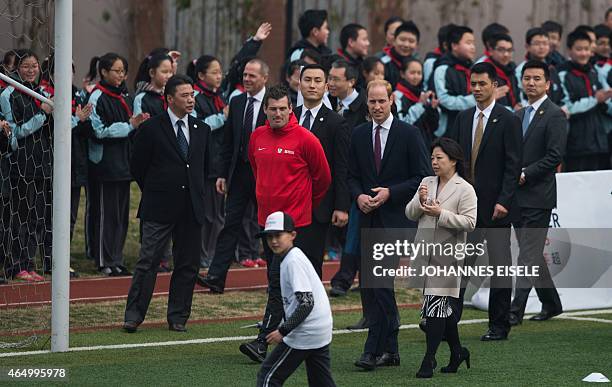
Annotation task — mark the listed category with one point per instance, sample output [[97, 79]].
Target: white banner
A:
[[584, 200]]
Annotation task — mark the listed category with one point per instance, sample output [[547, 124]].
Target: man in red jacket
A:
[[291, 175]]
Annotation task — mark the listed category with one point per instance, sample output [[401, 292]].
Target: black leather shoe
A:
[[361, 324], [514, 320], [130, 326], [388, 359], [367, 361], [428, 365], [337, 292], [492, 335], [544, 315], [211, 282], [177, 327], [256, 350], [456, 360]]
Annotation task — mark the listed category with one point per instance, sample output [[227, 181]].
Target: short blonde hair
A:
[[380, 82]]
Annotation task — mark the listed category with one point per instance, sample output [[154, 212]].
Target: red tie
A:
[[377, 147]]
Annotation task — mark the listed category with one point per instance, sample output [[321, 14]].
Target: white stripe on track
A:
[[569, 316]]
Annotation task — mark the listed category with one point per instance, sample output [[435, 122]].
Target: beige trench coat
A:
[[458, 217]]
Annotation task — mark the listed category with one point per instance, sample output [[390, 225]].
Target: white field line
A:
[[241, 338]]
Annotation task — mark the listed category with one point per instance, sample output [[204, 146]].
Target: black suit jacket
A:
[[162, 173], [404, 164], [498, 164], [357, 111], [233, 131], [543, 149], [334, 135]]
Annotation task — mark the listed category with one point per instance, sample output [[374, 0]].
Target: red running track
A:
[[16, 294]]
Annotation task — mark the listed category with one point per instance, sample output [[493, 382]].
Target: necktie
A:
[[340, 107], [306, 122], [526, 117], [247, 128], [476, 144], [181, 139], [377, 149]]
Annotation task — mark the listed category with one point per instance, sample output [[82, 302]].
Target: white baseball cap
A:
[[276, 222]]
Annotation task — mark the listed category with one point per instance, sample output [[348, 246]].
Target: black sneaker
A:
[[256, 350], [122, 271]]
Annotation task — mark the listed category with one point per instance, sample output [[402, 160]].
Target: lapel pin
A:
[[541, 112], [321, 119], [195, 126], [494, 119]]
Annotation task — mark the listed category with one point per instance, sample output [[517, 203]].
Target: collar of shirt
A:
[[174, 119], [314, 111], [536, 105], [259, 96], [386, 126], [487, 111], [349, 99]]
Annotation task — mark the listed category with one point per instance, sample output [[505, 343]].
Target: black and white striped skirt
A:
[[436, 306]]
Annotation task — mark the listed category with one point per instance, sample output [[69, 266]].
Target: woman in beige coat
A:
[[445, 208]]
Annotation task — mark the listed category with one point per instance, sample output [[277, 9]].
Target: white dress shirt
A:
[[256, 105], [314, 111], [174, 119], [535, 106], [348, 101], [487, 113], [384, 133]]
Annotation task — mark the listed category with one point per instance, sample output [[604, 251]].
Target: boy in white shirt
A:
[[306, 333]]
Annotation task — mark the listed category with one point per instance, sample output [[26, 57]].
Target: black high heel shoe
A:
[[428, 365], [454, 364]]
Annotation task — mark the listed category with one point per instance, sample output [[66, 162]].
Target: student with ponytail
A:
[[156, 70], [109, 151]]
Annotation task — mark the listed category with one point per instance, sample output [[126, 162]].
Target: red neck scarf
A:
[[467, 73], [585, 78], [502, 75], [406, 92], [437, 51], [116, 96], [394, 59], [3, 84], [217, 100]]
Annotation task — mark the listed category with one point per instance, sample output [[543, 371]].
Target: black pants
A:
[[500, 295], [531, 233], [587, 163], [241, 193], [383, 320], [213, 221], [248, 244], [75, 199], [284, 360], [108, 210], [30, 220], [312, 242], [186, 234], [274, 311]]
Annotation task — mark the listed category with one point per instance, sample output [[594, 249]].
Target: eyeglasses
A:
[[29, 67], [118, 71]]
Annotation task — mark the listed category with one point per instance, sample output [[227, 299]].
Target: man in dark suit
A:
[[236, 176], [333, 133], [169, 164], [387, 162], [345, 99], [491, 138], [545, 130]]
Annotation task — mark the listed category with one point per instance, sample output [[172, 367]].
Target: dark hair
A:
[[608, 11], [456, 34], [493, 29], [311, 18], [290, 67], [391, 20], [576, 35], [200, 65], [536, 64], [349, 31], [8, 57], [174, 82], [601, 31], [149, 63], [586, 29], [485, 68], [407, 62], [315, 66], [276, 92], [533, 32], [311, 53], [454, 152], [48, 67], [105, 62], [552, 26], [493, 40], [410, 27], [443, 34], [368, 63], [350, 72]]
